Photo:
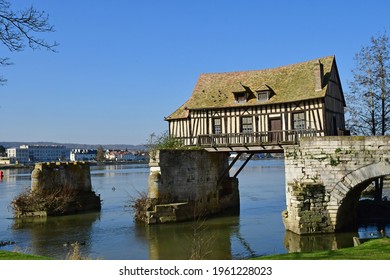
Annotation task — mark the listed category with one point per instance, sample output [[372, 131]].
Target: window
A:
[[217, 126], [263, 95], [240, 97], [246, 124], [298, 121]]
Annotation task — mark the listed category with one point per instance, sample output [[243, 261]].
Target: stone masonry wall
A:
[[75, 175], [324, 179], [189, 179]]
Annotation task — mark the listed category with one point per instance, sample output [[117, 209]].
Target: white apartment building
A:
[[37, 153], [120, 156], [83, 155]]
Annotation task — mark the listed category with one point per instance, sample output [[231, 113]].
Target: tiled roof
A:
[[288, 83]]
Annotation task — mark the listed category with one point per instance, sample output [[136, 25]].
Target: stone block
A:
[[341, 189], [332, 208], [333, 216]]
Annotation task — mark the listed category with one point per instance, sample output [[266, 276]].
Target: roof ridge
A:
[[269, 68]]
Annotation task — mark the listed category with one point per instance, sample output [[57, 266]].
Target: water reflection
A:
[[52, 236], [318, 242], [201, 239], [374, 230], [112, 234], [10, 176]]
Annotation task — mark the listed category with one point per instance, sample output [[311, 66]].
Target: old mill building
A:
[[262, 108]]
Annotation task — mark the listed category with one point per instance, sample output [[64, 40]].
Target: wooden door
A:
[[275, 129]]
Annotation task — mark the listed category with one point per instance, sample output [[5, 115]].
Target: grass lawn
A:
[[6, 255], [376, 249]]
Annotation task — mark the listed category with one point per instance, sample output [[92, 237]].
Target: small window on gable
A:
[[263, 95]]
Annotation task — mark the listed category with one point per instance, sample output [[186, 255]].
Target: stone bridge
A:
[[325, 177]]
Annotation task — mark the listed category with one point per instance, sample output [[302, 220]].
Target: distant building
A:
[[121, 156], [37, 153], [5, 160], [18, 155], [83, 155]]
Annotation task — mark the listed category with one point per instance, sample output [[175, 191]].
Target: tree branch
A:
[[17, 27]]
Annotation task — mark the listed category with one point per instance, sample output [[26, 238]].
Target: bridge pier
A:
[[58, 188], [325, 177], [186, 184]]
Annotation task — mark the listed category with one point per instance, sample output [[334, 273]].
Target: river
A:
[[112, 233]]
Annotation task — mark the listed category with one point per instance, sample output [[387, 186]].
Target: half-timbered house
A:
[[262, 107]]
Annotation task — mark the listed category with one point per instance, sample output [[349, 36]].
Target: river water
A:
[[112, 233]]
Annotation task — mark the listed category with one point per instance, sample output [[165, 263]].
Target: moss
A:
[[334, 162], [293, 154], [357, 138]]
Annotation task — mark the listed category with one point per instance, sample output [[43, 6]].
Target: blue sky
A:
[[123, 65]]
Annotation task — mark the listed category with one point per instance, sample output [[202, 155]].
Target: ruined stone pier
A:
[[58, 188], [186, 184]]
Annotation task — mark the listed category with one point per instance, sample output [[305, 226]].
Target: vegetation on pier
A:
[[56, 201]]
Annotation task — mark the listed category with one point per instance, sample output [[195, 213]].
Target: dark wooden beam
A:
[[243, 165], [226, 172]]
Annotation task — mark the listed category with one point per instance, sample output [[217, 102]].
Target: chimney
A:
[[319, 75]]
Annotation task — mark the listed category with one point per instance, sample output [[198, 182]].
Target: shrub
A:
[[55, 201]]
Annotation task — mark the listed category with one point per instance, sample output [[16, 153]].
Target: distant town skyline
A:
[[29, 154], [117, 146], [123, 66]]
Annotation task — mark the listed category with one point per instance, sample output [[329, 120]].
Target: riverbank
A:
[[6, 255], [15, 166], [376, 249]]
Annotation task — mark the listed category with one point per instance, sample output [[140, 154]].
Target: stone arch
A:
[[346, 193]]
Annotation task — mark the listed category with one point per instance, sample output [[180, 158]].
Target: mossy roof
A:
[[288, 84]]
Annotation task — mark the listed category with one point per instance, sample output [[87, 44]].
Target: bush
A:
[[163, 141], [141, 205], [55, 201]]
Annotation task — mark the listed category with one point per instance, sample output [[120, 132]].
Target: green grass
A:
[[377, 249], [6, 255]]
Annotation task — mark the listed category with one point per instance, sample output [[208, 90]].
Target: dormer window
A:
[[242, 93], [263, 95], [241, 97]]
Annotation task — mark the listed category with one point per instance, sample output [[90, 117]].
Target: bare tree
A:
[[369, 99], [20, 28]]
